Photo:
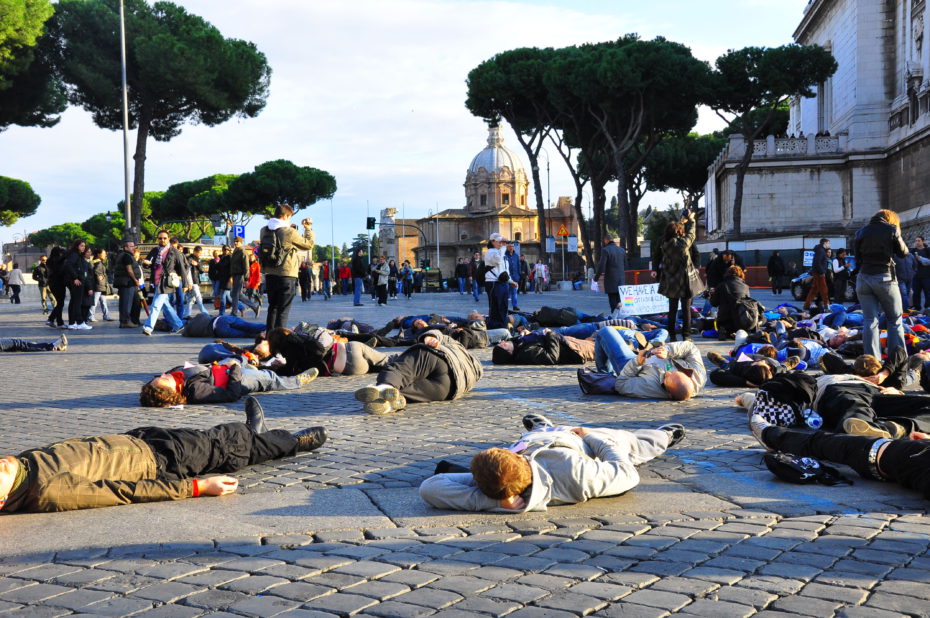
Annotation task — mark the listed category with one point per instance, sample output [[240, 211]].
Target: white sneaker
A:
[[757, 425], [83, 326], [71, 327], [741, 337]]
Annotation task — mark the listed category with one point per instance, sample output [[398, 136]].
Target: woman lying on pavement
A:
[[217, 383], [543, 347]]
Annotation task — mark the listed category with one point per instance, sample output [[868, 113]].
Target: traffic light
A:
[[370, 223], [424, 264]]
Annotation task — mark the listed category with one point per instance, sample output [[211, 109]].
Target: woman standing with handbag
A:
[[678, 277]]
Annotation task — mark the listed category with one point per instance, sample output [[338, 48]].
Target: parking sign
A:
[[239, 231]]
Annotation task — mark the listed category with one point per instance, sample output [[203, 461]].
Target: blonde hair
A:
[[890, 216]]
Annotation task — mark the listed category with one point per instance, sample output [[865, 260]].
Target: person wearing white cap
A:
[[497, 281]]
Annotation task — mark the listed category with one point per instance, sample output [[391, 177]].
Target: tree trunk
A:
[[626, 220], [632, 232], [599, 199], [738, 192], [533, 155], [138, 181], [585, 241]]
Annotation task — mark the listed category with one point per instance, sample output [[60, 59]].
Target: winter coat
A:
[[646, 380], [83, 473], [673, 263], [359, 267], [613, 266], [905, 267], [40, 275], [496, 266], [200, 325], [101, 283], [461, 270], [725, 296], [820, 264], [875, 246], [552, 349], [199, 386], [174, 262], [566, 468], [513, 265], [222, 272], [464, 369], [292, 242], [383, 271], [238, 263], [776, 266], [74, 267]]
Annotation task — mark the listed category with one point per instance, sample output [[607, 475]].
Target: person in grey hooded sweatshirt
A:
[[550, 465]]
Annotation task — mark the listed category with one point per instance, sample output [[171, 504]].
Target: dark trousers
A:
[[845, 401], [236, 293], [224, 449], [14, 294], [673, 304], [818, 288], [921, 287], [420, 375], [127, 297], [76, 304], [613, 298], [382, 293], [21, 345], [498, 295], [281, 292], [904, 461], [57, 289]]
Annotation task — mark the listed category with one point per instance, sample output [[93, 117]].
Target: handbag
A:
[[695, 283], [174, 280]]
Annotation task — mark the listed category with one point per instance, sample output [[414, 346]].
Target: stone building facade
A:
[[496, 198], [862, 143]]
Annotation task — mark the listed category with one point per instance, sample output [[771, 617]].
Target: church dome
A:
[[496, 155]]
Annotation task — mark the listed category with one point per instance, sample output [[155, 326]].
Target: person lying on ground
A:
[[10, 344], [436, 368], [148, 464], [324, 351], [549, 466], [217, 383], [223, 326], [747, 370], [671, 371], [903, 460], [543, 347]]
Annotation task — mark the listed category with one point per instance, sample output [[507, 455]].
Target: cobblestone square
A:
[[342, 531]]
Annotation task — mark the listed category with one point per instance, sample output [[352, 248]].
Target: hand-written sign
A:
[[641, 299]]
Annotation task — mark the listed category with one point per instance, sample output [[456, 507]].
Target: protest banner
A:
[[642, 299]]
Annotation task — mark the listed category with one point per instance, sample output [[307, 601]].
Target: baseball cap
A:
[[497, 237]]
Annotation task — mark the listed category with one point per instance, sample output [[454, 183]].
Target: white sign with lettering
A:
[[641, 299], [809, 257]]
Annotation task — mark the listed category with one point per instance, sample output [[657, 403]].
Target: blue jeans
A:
[[461, 285], [230, 327], [194, 296], [578, 331], [496, 335], [326, 288], [514, 300], [159, 303], [837, 316], [357, 285], [905, 293], [879, 293], [611, 351], [258, 380], [476, 291]]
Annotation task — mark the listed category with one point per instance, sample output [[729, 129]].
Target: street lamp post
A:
[[548, 197], [130, 230]]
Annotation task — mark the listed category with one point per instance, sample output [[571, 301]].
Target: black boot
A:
[[310, 439], [254, 415]]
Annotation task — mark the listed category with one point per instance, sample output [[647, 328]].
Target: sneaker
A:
[[146, 331], [85, 327], [308, 376], [834, 365], [676, 433], [51, 324], [640, 339], [717, 358], [254, 415], [64, 327], [310, 439], [377, 392], [535, 421], [71, 327], [757, 424], [792, 361], [61, 345], [859, 427], [741, 337], [109, 319], [380, 407]]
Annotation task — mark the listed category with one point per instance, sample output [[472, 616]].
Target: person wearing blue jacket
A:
[[513, 267]]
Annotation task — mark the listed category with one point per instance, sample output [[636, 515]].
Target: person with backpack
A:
[[280, 262]]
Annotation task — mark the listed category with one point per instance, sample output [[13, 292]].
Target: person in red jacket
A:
[[254, 283], [325, 280], [345, 275]]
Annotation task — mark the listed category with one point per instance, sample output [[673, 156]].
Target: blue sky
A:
[[371, 91]]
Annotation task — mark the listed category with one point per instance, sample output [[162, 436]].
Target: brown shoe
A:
[[791, 362], [859, 427], [717, 358]]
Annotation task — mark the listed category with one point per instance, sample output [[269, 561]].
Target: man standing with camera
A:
[[278, 256]]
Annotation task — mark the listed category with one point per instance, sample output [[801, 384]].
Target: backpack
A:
[[550, 316], [749, 314], [271, 251], [802, 470]]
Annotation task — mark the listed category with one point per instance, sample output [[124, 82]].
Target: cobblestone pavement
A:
[[342, 531]]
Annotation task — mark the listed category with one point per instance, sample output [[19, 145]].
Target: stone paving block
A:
[[574, 571], [806, 605], [263, 606], [791, 571], [339, 581], [367, 569], [546, 582], [668, 601], [515, 592], [299, 591], [462, 584], [447, 567], [776, 585], [866, 612], [429, 597], [173, 570], [542, 612], [684, 585], [379, 589], [632, 610], [484, 605], [835, 593], [717, 609], [46, 572], [78, 599], [213, 577], [42, 611], [742, 596], [496, 573], [34, 593], [906, 588], [661, 568], [898, 603], [909, 574], [254, 584], [120, 606], [170, 611], [215, 599], [714, 574], [733, 563], [166, 592], [392, 609], [412, 579], [849, 580]]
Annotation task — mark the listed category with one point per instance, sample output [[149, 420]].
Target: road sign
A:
[[562, 231], [809, 257], [550, 244], [572, 244], [239, 231]]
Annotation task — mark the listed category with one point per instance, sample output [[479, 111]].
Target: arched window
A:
[[518, 236], [505, 199]]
